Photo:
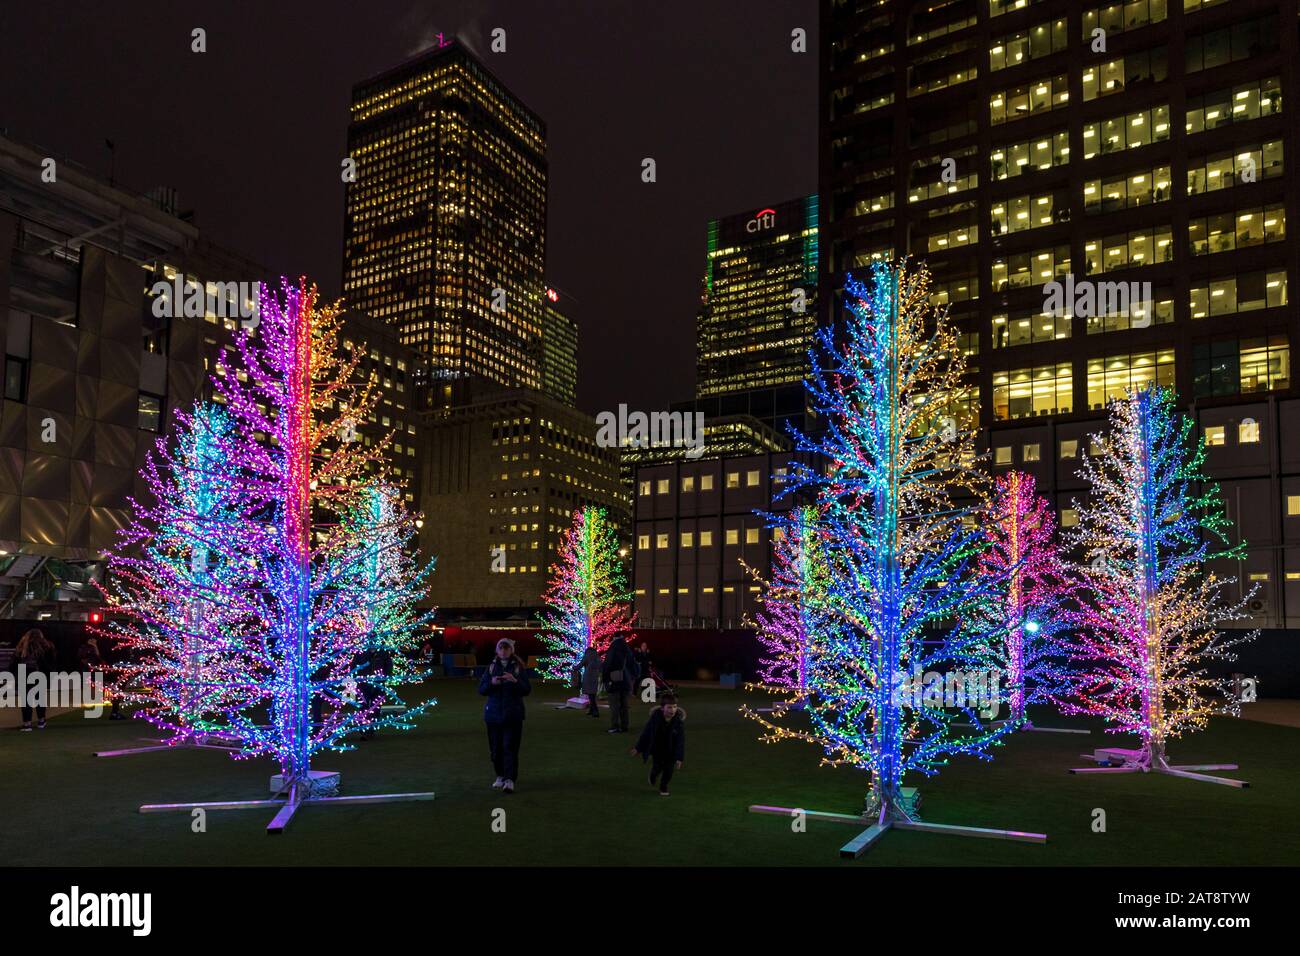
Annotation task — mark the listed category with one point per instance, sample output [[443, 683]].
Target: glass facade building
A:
[[1135, 150], [758, 308], [559, 352], [445, 230], [1012, 143]]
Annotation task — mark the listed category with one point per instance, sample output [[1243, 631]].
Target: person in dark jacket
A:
[[619, 676], [590, 670], [91, 660], [505, 685], [35, 655], [663, 742], [642, 656]]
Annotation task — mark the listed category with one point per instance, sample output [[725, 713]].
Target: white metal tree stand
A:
[[204, 742], [1151, 759], [313, 790], [898, 812]]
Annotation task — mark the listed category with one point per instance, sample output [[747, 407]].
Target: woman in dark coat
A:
[[35, 655], [505, 685], [590, 668], [619, 675]]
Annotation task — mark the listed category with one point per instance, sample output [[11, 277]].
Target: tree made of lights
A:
[[305, 644], [1032, 609], [794, 605], [587, 600], [893, 463], [1150, 620], [181, 595], [379, 564]]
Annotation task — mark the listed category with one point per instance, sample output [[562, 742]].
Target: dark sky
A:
[[252, 132]]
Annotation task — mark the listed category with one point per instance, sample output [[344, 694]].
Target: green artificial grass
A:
[[582, 800]]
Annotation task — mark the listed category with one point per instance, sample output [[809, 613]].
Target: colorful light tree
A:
[[318, 539], [288, 382], [795, 604], [587, 600], [1150, 621], [1031, 610], [379, 566], [181, 593], [902, 557]]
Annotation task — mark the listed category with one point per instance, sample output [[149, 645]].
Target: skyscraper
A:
[[505, 472], [1012, 143], [445, 231], [559, 352], [1029, 151], [759, 299]]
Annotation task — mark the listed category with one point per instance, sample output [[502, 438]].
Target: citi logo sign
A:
[[763, 219]]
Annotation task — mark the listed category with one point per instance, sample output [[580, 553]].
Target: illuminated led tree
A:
[[902, 568], [587, 600], [314, 614], [1031, 609], [1150, 621], [378, 562], [795, 604], [182, 596]]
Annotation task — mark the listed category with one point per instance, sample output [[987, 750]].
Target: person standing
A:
[[643, 669], [505, 685], [590, 667], [91, 659], [35, 656], [663, 742], [617, 672]]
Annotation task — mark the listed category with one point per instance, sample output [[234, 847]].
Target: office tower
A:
[[757, 314], [505, 471], [759, 299], [693, 524], [1136, 151], [445, 230], [559, 351], [1001, 144], [401, 375]]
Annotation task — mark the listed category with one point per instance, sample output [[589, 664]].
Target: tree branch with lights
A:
[[1152, 610], [890, 471]]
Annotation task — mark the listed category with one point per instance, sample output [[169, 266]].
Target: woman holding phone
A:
[[505, 685]]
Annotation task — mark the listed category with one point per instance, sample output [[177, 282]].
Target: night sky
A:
[[252, 133]]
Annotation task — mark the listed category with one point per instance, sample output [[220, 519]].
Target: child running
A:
[[663, 742]]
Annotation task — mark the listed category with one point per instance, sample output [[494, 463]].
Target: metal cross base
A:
[[1118, 760], [575, 703], [163, 745], [868, 837], [1028, 725], [288, 805]]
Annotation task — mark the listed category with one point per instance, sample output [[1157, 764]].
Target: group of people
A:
[[620, 671], [505, 683]]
